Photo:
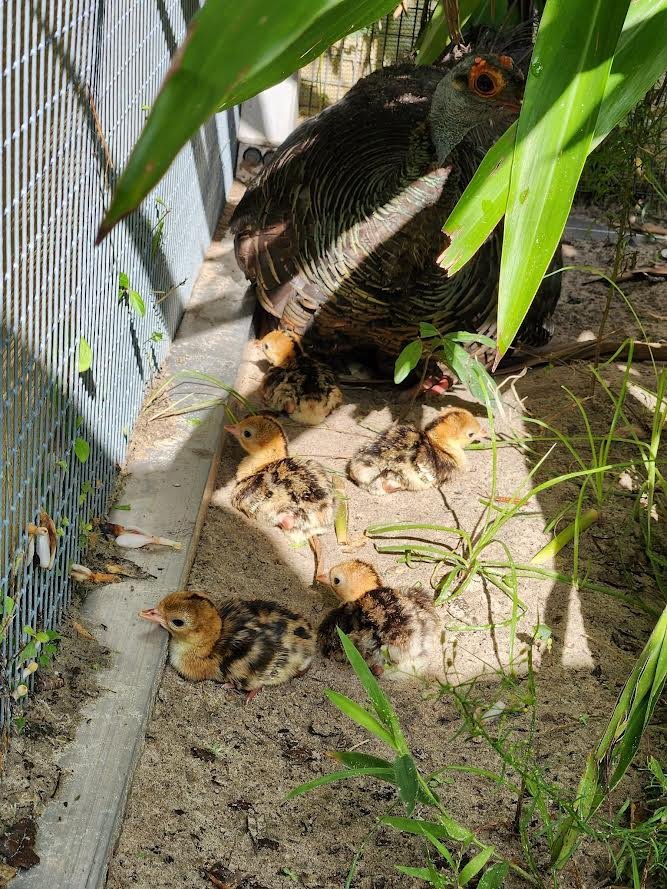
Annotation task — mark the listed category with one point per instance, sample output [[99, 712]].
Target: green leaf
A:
[[420, 873], [29, 653], [407, 360], [474, 376], [157, 336], [136, 302], [564, 91], [42, 636], [362, 717], [377, 697], [360, 760], [462, 336], [85, 356], [426, 330], [494, 876], [407, 780], [446, 828], [81, 449], [475, 865], [9, 605], [123, 283], [383, 774], [229, 55], [640, 59]]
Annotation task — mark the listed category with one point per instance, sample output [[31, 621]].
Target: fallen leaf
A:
[[223, 878], [80, 630], [17, 844], [7, 872]]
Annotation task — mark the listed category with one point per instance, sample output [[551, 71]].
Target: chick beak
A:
[[233, 429], [323, 578], [154, 615]]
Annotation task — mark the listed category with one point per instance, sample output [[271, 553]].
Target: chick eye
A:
[[336, 580], [471, 434], [247, 433], [177, 622], [484, 84]]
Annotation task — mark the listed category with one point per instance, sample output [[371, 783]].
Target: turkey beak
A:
[[233, 429], [323, 579], [153, 615]]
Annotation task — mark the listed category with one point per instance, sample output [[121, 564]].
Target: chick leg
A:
[[252, 694], [316, 546]]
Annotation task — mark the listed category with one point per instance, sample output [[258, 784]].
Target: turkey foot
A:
[[430, 386]]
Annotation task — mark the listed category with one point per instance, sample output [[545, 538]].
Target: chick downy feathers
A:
[[297, 384], [277, 490], [245, 644], [390, 627], [405, 459]]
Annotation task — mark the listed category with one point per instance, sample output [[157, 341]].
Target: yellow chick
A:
[[286, 492], [245, 645], [297, 383], [388, 626], [404, 459]]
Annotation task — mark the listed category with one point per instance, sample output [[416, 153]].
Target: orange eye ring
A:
[[485, 81]]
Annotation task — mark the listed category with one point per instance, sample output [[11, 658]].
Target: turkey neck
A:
[[451, 118], [252, 463]]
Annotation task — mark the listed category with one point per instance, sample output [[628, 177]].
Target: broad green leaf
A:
[[462, 336], [420, 873], [474, 376], [136, 302], [384, 774], [446, 828], [377, 697], [362, 717], [640, 59], [123, 283], [435, 37], [426, 330], [407, 360], [454, 830], [231, 52], [85, 359], [407, 780], [81, 449], [9, 605], [494, 876], [564, 91], [475, 865]]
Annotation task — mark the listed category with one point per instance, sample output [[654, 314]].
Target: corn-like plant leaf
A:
[[407, 360], [475, 865], [407, 780], [362, 717], [639, 60], [231, 52], [375, 694], [427, 874], [446, 828], [354, 760], [607, 764], [565, 88], [494, 877], [383, 774]]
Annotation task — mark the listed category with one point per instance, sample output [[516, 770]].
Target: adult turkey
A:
[[341, 231]]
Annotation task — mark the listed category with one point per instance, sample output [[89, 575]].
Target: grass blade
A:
[[564, 537], [359, 715], [475, 865], [384, 774], [407, 780]]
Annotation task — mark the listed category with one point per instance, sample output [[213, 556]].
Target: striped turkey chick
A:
[[245, 645], [280, 491], [404, 459], [297, 383], [388, 626]]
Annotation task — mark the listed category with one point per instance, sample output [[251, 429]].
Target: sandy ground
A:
[[210, 790], [209, 793]]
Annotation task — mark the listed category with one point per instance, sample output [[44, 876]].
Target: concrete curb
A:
[[169, 482]]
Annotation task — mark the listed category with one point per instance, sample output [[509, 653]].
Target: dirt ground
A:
[[209, 792]]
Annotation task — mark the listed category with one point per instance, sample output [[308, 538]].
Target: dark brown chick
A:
[[388, 626], [275, 489], [404, 459], [297, 384], [245, 645]]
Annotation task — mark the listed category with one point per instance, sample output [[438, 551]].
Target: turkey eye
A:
[[247, 433], [177, 622], [336, 580], [485, 85]]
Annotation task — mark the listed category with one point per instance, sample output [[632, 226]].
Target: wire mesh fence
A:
[[83, 329], [391, 40]]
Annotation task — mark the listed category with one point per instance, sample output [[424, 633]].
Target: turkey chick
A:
[[245, 645], [275, 489], [297, 384], [404, 459], [388, 626]]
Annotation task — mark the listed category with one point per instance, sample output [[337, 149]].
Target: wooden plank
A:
[[169, 482]]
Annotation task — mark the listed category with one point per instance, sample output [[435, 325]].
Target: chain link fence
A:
[[84, 329]]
